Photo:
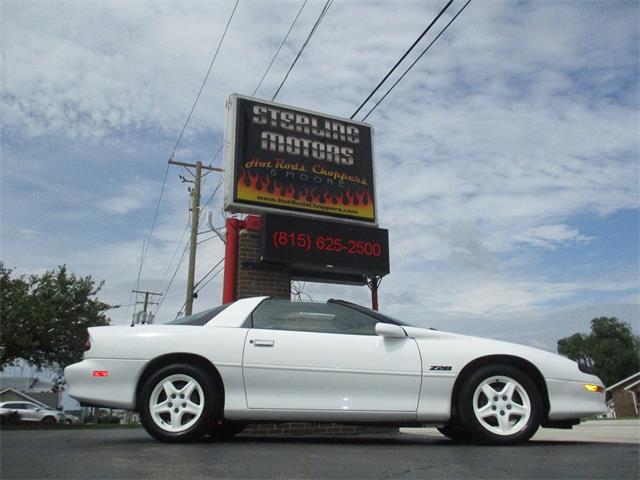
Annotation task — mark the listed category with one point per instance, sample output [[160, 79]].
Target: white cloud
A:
[[132, 196], [550, 236], [28, 232]]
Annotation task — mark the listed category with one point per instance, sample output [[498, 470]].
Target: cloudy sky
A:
[[507, 159]]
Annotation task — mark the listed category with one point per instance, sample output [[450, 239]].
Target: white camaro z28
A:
[[260, 359]]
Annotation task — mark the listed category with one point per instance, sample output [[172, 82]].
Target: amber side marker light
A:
[[593, 387], [100, 373]]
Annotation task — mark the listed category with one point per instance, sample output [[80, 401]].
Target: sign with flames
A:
[[280, 159]]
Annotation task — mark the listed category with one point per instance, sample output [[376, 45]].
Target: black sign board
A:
[[284, 158], [325, 247]]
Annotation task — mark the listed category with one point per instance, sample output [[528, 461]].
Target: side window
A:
[[286, 315], [352, 322], [312, 317]]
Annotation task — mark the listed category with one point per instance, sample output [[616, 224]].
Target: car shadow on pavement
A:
[[392, 439], [363, 439]]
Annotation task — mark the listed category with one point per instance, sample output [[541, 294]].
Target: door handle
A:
[[263, 343]]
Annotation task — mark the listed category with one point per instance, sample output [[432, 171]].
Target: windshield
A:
[[372, 313], [199, 318]]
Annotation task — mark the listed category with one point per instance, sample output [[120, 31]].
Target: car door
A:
[[25, 410], [13, 407], [306, 356]]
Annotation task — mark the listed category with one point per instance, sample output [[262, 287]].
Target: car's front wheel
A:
[[178, 403], [500, 405]]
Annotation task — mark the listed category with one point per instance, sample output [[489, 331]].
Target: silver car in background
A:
[[31, 412]]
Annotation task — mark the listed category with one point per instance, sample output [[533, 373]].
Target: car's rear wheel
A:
[[500, 405], [178, 403], [48, 420]]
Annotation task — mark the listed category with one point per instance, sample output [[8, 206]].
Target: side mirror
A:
[[389, 330], [38, 409]]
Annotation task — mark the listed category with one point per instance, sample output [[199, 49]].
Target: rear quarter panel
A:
[[125, 352]]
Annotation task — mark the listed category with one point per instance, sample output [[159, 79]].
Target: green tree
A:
[[611, 349], [43, 318], [576, 347]]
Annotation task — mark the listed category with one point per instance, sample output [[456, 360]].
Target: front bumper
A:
[[571, 400], [113, 387]]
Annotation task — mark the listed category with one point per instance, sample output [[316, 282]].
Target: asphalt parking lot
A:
[[131, 453]]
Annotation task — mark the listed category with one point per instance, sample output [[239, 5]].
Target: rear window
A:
[[199, 318]]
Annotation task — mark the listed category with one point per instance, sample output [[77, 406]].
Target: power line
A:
[[147, 241], [215, 155], [166, 291], [204, 81], [179, 312], [416, 60], [145, 246], [210, 198], [173, 257], [210, 279], [207, 239], [182, 257], [403, 57], [208, 273], [206, 204], [315, 26], [184, 127], [279, 48], [297, 290], [306, 42]]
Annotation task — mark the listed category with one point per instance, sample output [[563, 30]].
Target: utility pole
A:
[[195, 215], [146, 302]]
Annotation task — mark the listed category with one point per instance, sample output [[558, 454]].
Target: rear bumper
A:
[[571, 400], [115, 389]]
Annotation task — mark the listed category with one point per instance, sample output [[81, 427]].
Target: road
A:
[[132, 454]]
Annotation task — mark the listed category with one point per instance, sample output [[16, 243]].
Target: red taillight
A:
[[100, 373]]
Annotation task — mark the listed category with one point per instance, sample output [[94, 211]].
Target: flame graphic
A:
[[260, 188]]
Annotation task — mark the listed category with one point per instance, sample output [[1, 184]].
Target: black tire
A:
[[68, 421], [454, 431], [48, 421], [188, 427], [226, 429], [510, 418]]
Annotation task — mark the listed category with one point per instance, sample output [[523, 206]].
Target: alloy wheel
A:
[[502, 405], [176, 403]]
